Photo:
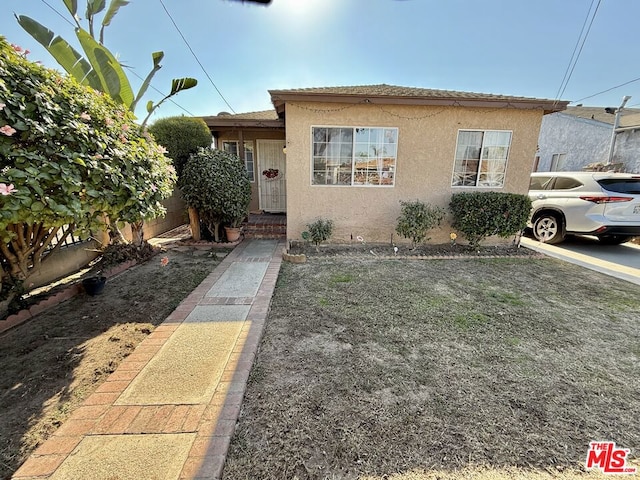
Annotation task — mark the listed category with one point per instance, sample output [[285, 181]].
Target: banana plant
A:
[[99, 68]]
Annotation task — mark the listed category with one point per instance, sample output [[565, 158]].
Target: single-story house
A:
[[351, 154], [577, 137]]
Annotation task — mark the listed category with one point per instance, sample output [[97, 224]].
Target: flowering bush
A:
[[69, 156]]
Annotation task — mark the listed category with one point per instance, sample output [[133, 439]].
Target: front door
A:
[[271, 175]]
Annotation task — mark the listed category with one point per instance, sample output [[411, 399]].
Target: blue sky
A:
[[513, 47]]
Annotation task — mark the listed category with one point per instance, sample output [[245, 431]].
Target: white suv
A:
[[606, 205]]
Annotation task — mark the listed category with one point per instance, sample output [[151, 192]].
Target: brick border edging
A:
[[67, 293]]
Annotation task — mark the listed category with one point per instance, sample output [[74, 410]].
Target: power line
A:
[[196, 57], [131, 70], [162, 93], [570, 67], [607, 90], [59, 14]]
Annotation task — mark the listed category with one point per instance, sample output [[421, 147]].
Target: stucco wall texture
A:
[[584, 141], [426, 148]]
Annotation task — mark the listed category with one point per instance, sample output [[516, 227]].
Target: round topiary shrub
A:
[[181, 136], [216, 185]]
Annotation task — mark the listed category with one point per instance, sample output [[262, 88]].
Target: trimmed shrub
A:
[[181, 136], [479, 215], [215, 183], [318, 231], [416, 219]]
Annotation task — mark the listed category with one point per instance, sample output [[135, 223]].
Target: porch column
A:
[[241, 145]]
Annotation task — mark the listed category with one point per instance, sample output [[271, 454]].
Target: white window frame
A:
[[477, 184], [556, 159], [250, 173], [392, 169]]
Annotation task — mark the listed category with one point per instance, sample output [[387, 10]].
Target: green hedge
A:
[[479, 215]]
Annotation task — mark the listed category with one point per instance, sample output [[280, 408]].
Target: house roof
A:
[[262, 119], [391, 94], [630, 116]]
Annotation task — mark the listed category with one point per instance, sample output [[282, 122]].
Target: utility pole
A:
[[616, 124]]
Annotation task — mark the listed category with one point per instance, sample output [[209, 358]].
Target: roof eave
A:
[[230, 122], [279, 98]]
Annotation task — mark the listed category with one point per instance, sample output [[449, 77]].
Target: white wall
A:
[[584, 141]]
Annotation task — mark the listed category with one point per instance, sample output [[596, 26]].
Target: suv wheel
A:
[[614, 239], [548, 228]]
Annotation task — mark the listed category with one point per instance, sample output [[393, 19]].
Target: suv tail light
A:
[[601, 199]]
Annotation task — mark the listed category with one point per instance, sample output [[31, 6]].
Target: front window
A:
[[481, 158], [354, 156], [232, 147]]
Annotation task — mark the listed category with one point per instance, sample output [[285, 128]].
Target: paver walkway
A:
[[169, 410]]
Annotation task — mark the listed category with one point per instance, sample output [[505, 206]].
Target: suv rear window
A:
[[621, 185]]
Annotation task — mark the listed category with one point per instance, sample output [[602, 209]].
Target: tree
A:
[[215, 183], [99, 68], [181, 136], [69, 158]]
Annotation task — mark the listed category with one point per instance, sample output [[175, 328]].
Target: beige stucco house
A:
[[351, 154]]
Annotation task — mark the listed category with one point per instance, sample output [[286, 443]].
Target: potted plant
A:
[[216, 185]]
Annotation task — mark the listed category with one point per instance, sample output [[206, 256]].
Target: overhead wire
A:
[[607, 90], [573, 61], [130, 69], [196, 57]]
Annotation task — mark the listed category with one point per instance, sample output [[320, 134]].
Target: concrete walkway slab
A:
[[218, 313], [240, 280], [187, 369], [260, 248], [111, 457], [169, 410]]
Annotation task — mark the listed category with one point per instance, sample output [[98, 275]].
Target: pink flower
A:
[[2, 105], [7, 130], [6, 189], [109, 122], [27, 52], [85, 116], [125, 127], [164, 261], [17, 48], [161, 149], [154, 188]]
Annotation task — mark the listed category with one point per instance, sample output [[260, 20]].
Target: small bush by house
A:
[[479, 215]]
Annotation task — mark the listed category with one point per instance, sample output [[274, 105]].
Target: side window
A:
[[566, 183], [539, 183]]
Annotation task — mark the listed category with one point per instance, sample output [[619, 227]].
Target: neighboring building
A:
[[581, 136], [353, 153]]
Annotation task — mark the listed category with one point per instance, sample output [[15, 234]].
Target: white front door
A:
[[271, 175]]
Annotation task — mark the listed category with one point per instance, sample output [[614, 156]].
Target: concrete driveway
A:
[[622, 261]]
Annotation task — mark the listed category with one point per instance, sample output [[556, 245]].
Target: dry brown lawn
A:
[[440, 369], [52, 363]]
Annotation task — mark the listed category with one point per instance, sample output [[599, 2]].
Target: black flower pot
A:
[[94, 285]]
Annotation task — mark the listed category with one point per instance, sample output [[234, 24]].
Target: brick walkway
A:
[[182, 439]]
